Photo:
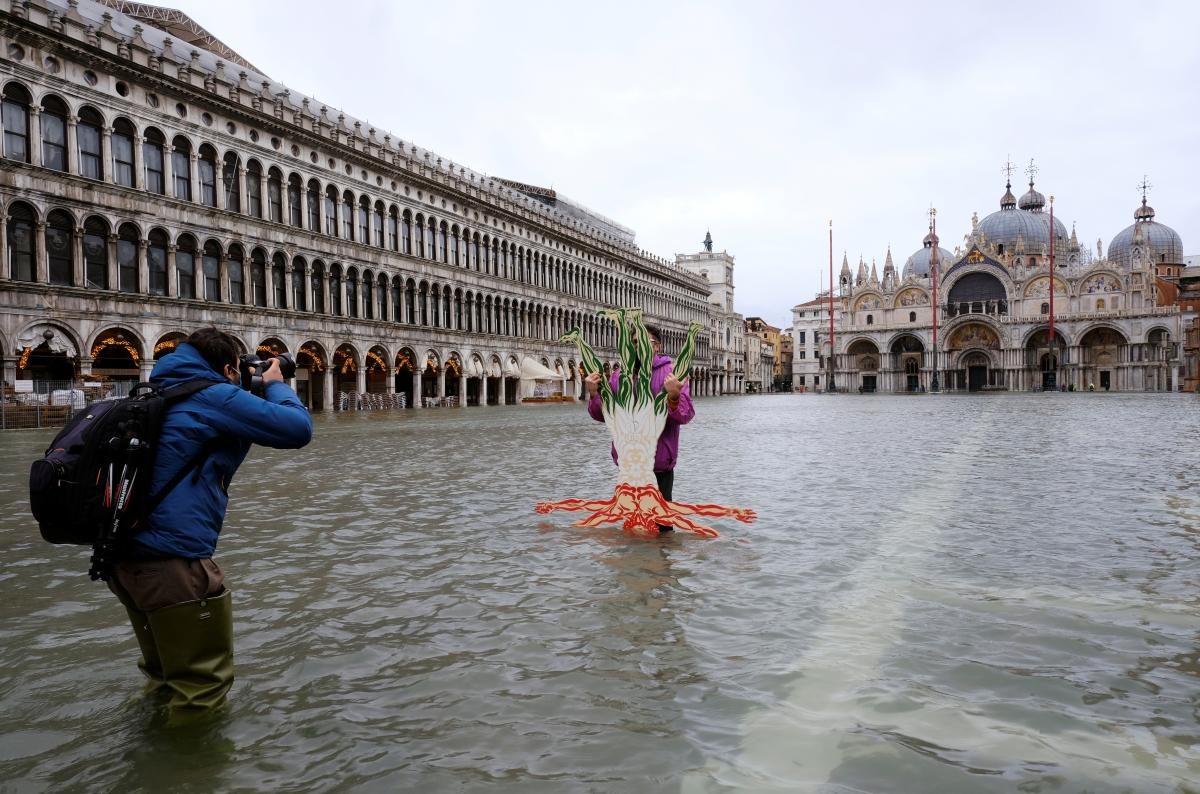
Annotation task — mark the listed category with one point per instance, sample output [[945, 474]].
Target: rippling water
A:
[[942, 594]]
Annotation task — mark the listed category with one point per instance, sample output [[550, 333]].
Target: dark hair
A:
[[216, 347], [654, 332]]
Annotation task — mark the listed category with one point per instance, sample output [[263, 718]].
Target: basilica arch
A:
[[1103, 359], [863, 358]]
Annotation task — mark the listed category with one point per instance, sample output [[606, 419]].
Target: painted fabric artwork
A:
[[635, 417]]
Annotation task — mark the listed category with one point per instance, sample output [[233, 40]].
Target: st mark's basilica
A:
[[993, 330]]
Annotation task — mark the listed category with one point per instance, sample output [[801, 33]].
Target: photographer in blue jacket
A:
[[166, 577]]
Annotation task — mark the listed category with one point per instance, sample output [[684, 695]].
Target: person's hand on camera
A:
[[592, 383], [272, 373]]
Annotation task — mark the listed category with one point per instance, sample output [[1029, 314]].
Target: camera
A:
[[252, 367]]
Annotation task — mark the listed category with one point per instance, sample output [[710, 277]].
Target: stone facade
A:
[[727, 330], [993, 310], [148, 190]]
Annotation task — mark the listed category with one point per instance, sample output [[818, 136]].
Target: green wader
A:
[[194, 644]]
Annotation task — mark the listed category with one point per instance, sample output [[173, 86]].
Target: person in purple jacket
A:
[[679, 412]]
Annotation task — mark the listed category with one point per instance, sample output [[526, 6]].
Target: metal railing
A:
[[32, 404]]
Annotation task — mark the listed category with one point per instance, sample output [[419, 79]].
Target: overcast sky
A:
[[764, 120]]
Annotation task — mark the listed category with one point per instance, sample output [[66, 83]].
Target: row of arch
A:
[[177, 166], [96, 256], [120, 352], [1035, 336]]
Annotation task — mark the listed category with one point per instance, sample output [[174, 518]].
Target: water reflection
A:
[[941, 594]]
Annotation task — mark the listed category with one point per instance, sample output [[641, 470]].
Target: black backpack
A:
[[90, 487]]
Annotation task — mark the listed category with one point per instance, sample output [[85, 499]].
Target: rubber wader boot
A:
[[195, 646], [149, 664]]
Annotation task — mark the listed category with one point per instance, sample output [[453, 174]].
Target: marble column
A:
[[418, 400], [78, 267], [72, 155], [106, 163], [462, 391], [194, 180], [172, 274], [483, 392], [35, 136], [41, 272], [114, 265]]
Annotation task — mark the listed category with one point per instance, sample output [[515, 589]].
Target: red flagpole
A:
[[829, 377], [933, 263], [1052, 348]]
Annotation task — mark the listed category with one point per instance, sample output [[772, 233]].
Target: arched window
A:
[[347, 215], [397, 297], [207, 167], [185, 268], [1100, 304], [314, 205], [15, 110], [1045, 308], [352, 292], [95, 253], [210, 262], [393, 238], [368, 296], [382, 297], [420, 236], [443, 253], [331, 200], [237, 275], [152, 160], [254, 203], [181, 167], [318, 287], [335, 290], [298, 280], [258, 277], [60, 247], [410, 302], [364, 220], [379, 224], [231, 182], [912, 317], [156, 257], [87, 134], [275, 195], [279, 280], [453, 245], [54, 134], [295, 189], [870, 320], [406, 232], [127, 260], [22, 242], [432, 239], [121, 145]]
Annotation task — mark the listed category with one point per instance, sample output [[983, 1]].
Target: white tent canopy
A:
[[538, 380]]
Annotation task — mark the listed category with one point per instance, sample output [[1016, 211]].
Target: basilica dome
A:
[[1161, 241], [918, 264], [1026, 222]]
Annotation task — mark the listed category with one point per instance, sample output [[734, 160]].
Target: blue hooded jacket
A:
[[188, 520]]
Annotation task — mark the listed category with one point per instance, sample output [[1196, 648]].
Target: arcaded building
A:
[[155, 182], [994, 307]]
